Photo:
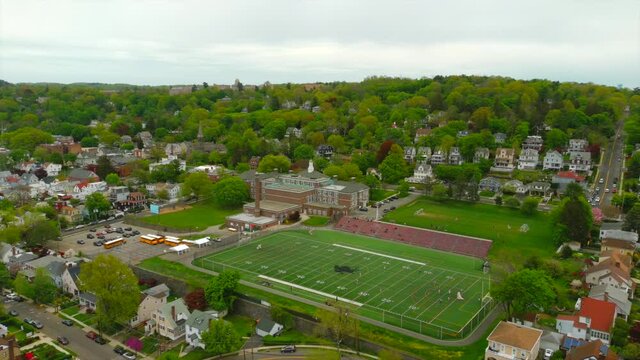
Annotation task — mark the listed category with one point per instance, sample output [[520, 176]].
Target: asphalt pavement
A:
[[609, 175], [85, 348]]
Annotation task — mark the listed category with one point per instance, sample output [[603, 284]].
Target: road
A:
[[610, 173], [85, 348], [301, 353]]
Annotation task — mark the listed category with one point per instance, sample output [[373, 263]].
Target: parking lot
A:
[[132, 252]]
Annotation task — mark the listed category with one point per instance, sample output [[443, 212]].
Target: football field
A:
[[427, 291]]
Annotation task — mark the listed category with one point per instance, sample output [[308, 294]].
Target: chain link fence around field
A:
[[389, 317]]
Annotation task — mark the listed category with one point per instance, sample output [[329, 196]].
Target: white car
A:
[[606, 190], [597, 198], [601, 181], [547, 354]]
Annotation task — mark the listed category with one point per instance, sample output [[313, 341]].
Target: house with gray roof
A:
[[197, 323], [268, 327], [7, 251], [150, 301], [609, 293], [88, 300], [169, 320], [489, 184]]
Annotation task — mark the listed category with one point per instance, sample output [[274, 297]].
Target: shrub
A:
[[512, 203], [566, 252]]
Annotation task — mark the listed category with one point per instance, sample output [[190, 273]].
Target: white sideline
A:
[[383, 255], [310, 290]]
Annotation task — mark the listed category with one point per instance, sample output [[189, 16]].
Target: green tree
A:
[[220, 291], [337, 141], [39, 232], [282, 316], [335, 170], [512, 202], [403, 189], [163, 194], [270, 163], [96, 205], [230, 192], [104, 167], [23, 286], [221, 338], [529, 206], [5, 278], [393, 168], [576, 219], [89, 141], [44, 288], [624, 200], [303, 151], [524, 291], [632, 219], [631, 351], [556, 139], [338, 323], [112, 179], [26, 138], [439, 192], [198, 184], [115, 287], [620, 333], [498, 200]]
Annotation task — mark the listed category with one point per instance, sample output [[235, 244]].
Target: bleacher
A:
[[420, 237]]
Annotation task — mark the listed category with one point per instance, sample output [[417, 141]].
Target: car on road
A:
[[91, 335], [67, 322], [288, 349], [13, 313], [63, 340], [129, 355], [597, 199], [37, 324], [601, 181], [363, 209], [81, 242], [392, 208], [597, 188], [111, 218], [606, 190], [135, 232], [100, 340], [119, 350]]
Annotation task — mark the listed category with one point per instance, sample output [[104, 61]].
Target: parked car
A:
[[13, 313], [288, 349], [91, 335], [119, 350], [37, 324], [128, 228], [135, 232], [81, 242], [363, 209], [392, 208], [12, 296], [547, 354], [90, 236], [606, 190], [63, 340], [93, 230], [129, 356], [97, 243], [100, 340]]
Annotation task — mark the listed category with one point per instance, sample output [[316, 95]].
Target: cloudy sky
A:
[[191, 41]]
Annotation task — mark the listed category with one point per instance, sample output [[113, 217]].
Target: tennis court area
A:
[[427, 291]]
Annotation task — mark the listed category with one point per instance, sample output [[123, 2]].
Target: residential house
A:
[[614, 232], [87, 300], [592, 350], [540, 188], [420, 133], [552, 161], [169, 320], [504, 161], [438, 157], [71, 214], [292, 131], [619, 246], [52, 169], [27, 166], [118, 193], [135, 199], [53, 265], [510, 341], [515, 186], [409, 154], [82, 175], [462, 133], [177, 149], [563, 178], [577, 145], [613, 269], [17, 262], [551, 340], [500, 138], [490, 184], [610, 294], [147, 139], [198, 323], [150, 301], [481, 153], [182, 165], [71, 280], [528, 159], [424, 153], [594, 320], [420, 173], [580, 161], [173, 190], [326, 151], [7, 251], [533, 142], [268, 327], [455, 158]]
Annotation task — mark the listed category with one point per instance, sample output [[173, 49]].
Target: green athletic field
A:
[[408, 286], [497, 223]]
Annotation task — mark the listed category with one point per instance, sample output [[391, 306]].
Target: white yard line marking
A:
[[310, 290], [383, 255]]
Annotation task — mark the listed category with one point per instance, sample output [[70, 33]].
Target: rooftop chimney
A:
[[173, 312]]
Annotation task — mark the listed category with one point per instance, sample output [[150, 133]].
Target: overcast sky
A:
[[189, 41]]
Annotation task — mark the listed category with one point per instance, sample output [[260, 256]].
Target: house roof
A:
[[88, 296], [618, 244], [611, 294], [266, 325], [591, 350], [200, 320], [157, 291], [23, 258], [519, 336], [612, 233], [611, 226], [569, 175], [601, 313], [180, 307], [82, 174]]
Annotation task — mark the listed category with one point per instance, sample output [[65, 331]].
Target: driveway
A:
[[53, 327]]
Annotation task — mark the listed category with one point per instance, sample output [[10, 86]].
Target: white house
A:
[[618, 234], [420, 173], [151, 300], [7, 251], [424, 153], [409, 154], [580, 161], [552, 161], [198, 323], [533, 142], [504, 160], [52, 169], [182, 165], [169, 320], [268, 327], [455, 158], [439, 157], [480, 154], [577, 145], [594, 320], [528, 159]]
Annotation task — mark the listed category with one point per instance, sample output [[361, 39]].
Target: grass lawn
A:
[[199, 217], [295, 337], [317, 221], [46, 351], [243, 325], [149, 345], [497, 223], [388, 281], [88, 319], [374, 333], [196, 354], [71, 311], [380, 194]]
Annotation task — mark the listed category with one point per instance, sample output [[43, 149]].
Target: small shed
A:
[[268, 327], [180, 249]]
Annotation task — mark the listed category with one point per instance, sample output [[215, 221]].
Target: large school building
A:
[[310, 192]]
